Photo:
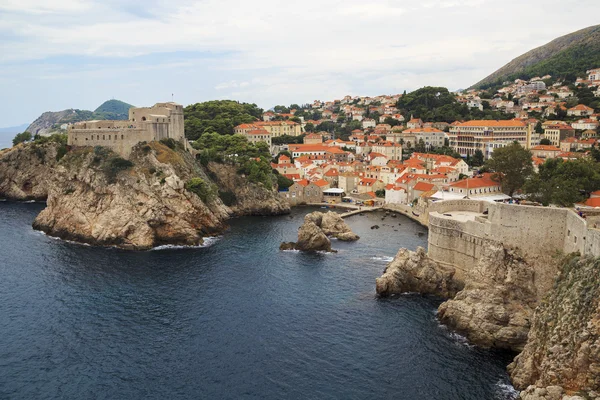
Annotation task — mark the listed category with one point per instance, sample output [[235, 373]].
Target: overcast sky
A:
[[62, 54]]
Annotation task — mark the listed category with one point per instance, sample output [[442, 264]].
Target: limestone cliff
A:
[[26, 170], [243, 197], [314, 233], [491, 304], [96, 197], [562, 355]]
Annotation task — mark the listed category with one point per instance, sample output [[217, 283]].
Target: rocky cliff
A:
[[26, 170], [562, 354], [491, 304], [161, 195], [243, 197], [96, 197]]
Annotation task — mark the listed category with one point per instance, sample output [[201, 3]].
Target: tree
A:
[[309, 127], [380, 193], [478, 158], [545, 141], [512, 166], [539, 128], [219, 116], [281, 109], [420, 146], [563, 182], [22, 137]]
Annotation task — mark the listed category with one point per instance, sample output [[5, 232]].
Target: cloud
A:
[[265, 52]]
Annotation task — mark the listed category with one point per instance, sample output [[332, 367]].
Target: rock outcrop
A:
[[243, 197], [491, 304], [26, 170], [95, 197], [562, 354], [496, 305], [316, 230], [413, 271]]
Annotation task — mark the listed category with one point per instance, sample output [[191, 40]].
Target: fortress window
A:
[[143, 118], [121, 137], [108, 137]]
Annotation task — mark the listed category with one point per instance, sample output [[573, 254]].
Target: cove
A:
[[236, 319]]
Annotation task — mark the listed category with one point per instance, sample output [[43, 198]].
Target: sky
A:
[[63, 54]]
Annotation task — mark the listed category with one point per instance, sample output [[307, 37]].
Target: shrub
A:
[[116, 165], [22, 137], [61, 152], [229, 198], [170, 143], [199, 187]]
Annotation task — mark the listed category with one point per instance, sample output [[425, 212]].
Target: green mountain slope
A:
[[568, 57], [113, 109], [219, 116]]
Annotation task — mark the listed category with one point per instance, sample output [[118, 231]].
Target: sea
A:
[[6, 139], [234, 319]]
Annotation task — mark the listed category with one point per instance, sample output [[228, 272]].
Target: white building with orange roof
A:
[[585, 124], [580, 110], [545, 151], [468, 137], [259, 135], [414, 123], [393, 151]]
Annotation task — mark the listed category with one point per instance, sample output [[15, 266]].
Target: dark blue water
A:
[[236, 320]]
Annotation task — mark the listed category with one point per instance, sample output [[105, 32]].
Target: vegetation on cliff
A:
[[218, 116], [567, 57], [512, 166], [251, 160], [563, 347]]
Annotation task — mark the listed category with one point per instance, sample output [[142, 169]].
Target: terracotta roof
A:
[[493, 123], [423, 186], [593, 202], [545, 147], [484, 180], [321, 183]]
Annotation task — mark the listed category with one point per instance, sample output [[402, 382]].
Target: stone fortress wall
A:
[[458, 237], [145, 124]]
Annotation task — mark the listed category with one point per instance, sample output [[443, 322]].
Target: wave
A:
[[208, 241], [383, 258], [506, 391]]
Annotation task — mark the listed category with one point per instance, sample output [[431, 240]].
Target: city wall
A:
[[539, 232]]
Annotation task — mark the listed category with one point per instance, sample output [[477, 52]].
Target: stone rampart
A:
[[536, 231]]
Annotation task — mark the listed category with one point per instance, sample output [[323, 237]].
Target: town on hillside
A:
[[365, 150]]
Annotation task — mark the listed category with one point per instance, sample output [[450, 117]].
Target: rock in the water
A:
[[412, 271], [287, 246], [314, 234]]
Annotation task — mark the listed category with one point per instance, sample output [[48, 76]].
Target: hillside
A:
[[567, 56], [113, 109], [219, 116], [50, 122]]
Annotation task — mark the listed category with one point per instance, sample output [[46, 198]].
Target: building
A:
[[481, 186], [302, 192], [393, 151], [594, 75], [468, 137], [145, 124], [545, 151], [432, 137], [313, 138], [259, 135], [558, 133], [275, 128], [580, 110]]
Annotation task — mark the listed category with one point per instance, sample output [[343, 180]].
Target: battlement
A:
[[145, 124]]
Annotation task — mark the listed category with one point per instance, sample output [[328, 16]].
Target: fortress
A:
[[145, 124]]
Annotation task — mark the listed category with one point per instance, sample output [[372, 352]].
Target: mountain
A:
[[568, 57], [52, 122], [113, 109], [14, 129]]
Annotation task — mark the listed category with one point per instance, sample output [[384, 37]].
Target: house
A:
[[259, 135], [431, 137], [585, 124], [368, 123], [481, 186], [302, 192], [370, 185], [580, 110], [313, 138], [545, 151], [394, 195], [594, 75], [414, 123]]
